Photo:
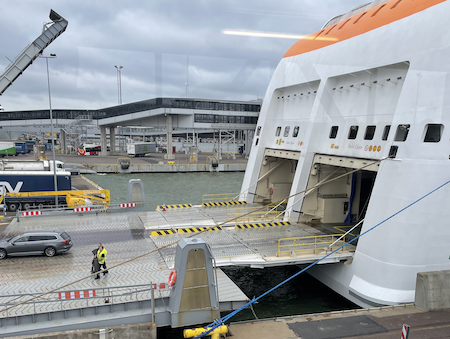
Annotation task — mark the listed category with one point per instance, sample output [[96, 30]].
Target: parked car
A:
[[48, 242]]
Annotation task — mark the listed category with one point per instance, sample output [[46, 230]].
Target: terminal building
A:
[[227, 125]]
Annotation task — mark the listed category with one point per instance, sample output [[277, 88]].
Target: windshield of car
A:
[[15, 238]]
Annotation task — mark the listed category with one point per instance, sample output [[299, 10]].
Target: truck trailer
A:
[[31, 165], [141, 149], [33, 181], [7, 148]]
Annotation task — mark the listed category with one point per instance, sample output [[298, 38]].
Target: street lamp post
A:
[[52, 56], [119, 83], [119, 87]]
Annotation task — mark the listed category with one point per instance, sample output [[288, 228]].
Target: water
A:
[[301, 295], [171, 188]]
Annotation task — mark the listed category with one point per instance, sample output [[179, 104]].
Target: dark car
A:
[[36, 242]]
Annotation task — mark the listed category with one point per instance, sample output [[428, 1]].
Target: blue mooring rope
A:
[[219, 322]]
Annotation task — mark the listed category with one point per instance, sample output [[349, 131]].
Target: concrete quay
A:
[[153, 163], [374, 323]]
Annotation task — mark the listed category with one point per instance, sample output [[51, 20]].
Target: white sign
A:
[[7, 185]]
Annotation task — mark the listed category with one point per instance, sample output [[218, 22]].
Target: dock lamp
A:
[[52, 56]]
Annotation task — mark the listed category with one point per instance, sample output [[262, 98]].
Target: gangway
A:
[[50, 32]]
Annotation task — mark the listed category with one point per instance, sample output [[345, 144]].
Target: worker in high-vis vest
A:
[[101, 256]]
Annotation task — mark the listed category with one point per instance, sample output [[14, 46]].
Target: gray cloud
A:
[[186, 36]]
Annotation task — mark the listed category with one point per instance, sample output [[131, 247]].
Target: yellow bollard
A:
[[214, 334]]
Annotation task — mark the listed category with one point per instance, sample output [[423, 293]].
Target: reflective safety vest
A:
[[99, 256]]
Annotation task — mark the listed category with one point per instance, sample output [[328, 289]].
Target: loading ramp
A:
[[126, 236], [50, 32]]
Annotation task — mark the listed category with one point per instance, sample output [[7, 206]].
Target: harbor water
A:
[[301, 295]]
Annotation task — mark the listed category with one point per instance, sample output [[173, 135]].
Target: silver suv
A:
[[36, 242]]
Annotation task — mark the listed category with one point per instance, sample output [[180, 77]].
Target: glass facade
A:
[[144, 106]]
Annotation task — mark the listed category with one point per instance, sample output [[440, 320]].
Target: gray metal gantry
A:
[[50, 32]]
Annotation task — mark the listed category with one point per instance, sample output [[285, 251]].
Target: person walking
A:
[[101, 257]]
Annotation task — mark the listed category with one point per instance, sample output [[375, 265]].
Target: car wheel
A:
[[12, 207], [50, 251], [2, 253], [26, 206]]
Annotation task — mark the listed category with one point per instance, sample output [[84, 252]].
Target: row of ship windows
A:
[[433, 132]]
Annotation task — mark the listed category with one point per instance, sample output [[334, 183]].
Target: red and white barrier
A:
[[405, 331], [132, 204], [161, 286], [27, 214], [81, 209], [77, 294]]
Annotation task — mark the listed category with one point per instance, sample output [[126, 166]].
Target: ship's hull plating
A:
[[396, 74]]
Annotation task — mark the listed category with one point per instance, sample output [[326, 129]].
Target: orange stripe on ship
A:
[[358, 24]]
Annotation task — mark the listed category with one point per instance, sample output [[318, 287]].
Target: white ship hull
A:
[[387, 65]]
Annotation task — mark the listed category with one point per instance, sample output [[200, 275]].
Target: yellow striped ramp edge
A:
[[199, 229], [162, 232], [168, 207], [224, 203], [263, 224]]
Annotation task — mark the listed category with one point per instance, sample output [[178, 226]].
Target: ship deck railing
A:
[[221, 197], [256, 217], [320, 244]]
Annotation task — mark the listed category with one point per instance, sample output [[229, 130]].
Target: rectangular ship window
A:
[[433, 132], [353, 132], [402, 132], [333, 132], [386, 130], [393, 151], [278, 132], [258, 131], [370, 132], [286, 131], [295, 132]]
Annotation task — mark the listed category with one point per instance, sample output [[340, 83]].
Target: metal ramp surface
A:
[[124, 237], [255, 247]]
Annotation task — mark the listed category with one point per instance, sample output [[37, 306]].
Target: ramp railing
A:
[[255, 214], [70, 299], [222, 197], [311, 245]]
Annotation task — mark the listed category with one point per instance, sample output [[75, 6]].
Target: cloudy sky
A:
[[162, 46]]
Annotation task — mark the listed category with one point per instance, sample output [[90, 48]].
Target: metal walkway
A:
[[125, 236], [255, 247]]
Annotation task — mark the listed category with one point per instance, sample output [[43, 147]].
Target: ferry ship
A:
[[369, 91]]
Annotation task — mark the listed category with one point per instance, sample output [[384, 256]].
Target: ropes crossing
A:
[[190, 236], [221, 321]]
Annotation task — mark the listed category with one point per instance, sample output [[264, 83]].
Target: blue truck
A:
[[33, 181], [21, 147]]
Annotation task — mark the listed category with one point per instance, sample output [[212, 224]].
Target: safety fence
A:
[[311, 245], [91, 209], [70, 299], [255, 214], [222, 197]]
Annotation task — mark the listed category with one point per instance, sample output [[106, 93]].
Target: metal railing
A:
[[255, 214], [17, 304], [222, 197], [87, 209], [310, 245]]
